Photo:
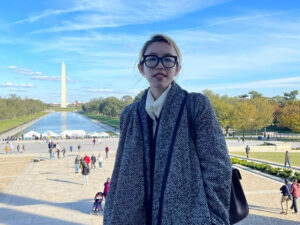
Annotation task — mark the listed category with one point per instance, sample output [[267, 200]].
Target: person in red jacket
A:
[[87, 159], [106, 187], [106, 151], [296, 193]]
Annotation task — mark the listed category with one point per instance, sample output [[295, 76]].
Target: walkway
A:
[[49, 192], [263, 197]]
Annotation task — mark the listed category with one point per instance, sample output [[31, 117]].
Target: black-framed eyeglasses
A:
[[168, 61]]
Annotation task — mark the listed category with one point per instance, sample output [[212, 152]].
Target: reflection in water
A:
[[60, 121], [63, 121]]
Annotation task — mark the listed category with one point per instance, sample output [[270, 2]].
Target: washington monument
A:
[[63, 86]]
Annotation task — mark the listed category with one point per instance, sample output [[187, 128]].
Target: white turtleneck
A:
[[154, 107]]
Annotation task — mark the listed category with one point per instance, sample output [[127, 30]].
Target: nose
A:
[[160, 65]]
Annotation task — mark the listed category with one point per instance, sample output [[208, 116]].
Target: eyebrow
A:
[[153, 53]]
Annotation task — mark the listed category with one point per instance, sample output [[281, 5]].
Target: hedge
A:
[[275, 171]]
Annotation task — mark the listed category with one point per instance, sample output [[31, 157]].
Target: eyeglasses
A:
[[151, 61]]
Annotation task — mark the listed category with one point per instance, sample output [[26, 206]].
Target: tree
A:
[[223, 110], [139, 95], [290, 95], [255, 94], [244, 116], [264, 112], [110, 106], [243, 96], [126, 100], [289, 116]]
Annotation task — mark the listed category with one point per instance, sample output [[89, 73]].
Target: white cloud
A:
[[12, 85], [29, 72], [91, 14], [45, 77], [290, 82], [101, 90]]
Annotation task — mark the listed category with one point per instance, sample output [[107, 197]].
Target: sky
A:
[[228, 46]]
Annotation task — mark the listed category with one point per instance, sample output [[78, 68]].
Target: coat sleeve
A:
[[214, 160], [109, 203]]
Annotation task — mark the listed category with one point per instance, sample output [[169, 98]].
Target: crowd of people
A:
[[9, 148], [290, 192]]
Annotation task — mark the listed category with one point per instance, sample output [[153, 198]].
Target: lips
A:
[[159, 74]]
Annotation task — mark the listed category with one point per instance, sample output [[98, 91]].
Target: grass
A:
[[277, 157], [114, 122], [13, 123]]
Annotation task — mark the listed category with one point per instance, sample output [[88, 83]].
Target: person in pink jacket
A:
[[296, 193], [106, 187]]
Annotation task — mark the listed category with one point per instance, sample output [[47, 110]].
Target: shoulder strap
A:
[[191, 115]]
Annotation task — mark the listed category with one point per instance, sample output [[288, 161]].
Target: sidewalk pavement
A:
[[49, 192], [264, 197]]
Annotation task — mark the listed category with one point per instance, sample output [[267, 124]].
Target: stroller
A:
[[97, 207]]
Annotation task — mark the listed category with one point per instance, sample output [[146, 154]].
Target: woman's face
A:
[[159, 77]]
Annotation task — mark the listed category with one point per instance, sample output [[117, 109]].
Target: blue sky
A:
[[228, 46]]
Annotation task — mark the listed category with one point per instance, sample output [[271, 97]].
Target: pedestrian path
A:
[[264, 197], [49, 192]]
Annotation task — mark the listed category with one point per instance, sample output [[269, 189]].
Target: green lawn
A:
[[12, 123], [277, 157], [114, 122]]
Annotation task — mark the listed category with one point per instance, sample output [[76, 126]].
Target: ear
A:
[[178, 68], [141, 69]]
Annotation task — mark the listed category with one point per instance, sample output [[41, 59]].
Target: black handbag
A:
[[239, 208]]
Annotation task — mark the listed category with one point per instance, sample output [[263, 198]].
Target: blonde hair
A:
[[160, 38]]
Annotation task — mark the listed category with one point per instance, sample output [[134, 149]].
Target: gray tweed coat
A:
[[197, 190]]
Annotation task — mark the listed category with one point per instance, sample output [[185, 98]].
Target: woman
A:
[[296, 193], [106, 187], [77, 163], [158, 177], [85, 172], [100, 159]]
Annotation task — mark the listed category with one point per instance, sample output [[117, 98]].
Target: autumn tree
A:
[[245, 115], [223, 110], [264, 112], [289, 116]]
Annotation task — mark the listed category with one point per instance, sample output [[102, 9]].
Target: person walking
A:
[[94, 141], [93, 161], [23, 148], [296, 194], [11, 146], [285, 190], [171, 174], [287, 159], [85, 172], [106, 151], [87, 159], [18, 148], [247, 151], [77, 163], [6, 149], [100, 160], [71, 148], [64, 151], [106, 187], [78, 147], [57, 150]]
